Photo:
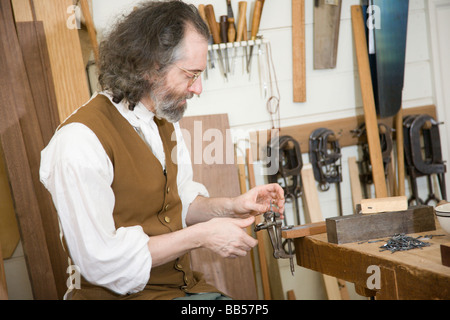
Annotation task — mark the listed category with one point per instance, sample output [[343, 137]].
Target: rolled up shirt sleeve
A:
[[188, 189], [78, 173]]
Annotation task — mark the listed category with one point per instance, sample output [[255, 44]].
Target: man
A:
[[130, 214]]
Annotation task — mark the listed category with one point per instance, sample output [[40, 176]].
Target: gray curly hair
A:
[[143, 45]]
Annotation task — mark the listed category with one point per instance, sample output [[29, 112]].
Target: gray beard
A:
[[168, 104]]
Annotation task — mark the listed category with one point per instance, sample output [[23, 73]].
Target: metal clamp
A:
[[272, 224]]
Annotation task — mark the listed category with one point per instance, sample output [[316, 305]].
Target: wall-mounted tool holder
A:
[[232, 54]]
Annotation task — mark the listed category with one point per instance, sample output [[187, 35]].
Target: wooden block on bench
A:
[[361, 227]]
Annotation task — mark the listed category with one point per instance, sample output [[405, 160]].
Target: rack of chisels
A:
[[229, 41]]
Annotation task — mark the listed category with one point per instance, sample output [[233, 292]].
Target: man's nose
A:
[[196, 87]]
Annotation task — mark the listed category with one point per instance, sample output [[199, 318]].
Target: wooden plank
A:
[[362, 227], [263, 265], [9, 229], [37, 63], [327, 20], [314, 214], [37, 129], [234, 277], [305, 230], [298, 50], [370, 115], [384, 204], [71, 85], [3, 286], [15, 96]]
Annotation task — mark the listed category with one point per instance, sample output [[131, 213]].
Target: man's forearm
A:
[[203, 209]]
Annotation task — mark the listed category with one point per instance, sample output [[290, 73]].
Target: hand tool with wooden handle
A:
[[255, 27], [224, 37], [231, 25], [201, 10], [242, 25], [211, 18]]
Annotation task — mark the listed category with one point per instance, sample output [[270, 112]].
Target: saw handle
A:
[[211, 18]]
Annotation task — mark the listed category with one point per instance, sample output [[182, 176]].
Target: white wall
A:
[[331, 94]]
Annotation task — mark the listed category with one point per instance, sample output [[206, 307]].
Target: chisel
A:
[[242, 26], [224, 37], [255, 27], [201, 10], [211, 18], [231, 25]]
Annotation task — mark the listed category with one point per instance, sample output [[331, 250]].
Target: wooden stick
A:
[[362, 55], [355, 183], [400, 153], [298, 50], [315, 215], [90, 27], [259, 235]]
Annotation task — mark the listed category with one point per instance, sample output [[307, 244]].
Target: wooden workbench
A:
[[404, 275]]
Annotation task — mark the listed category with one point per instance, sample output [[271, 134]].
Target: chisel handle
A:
[[224, 28], [211, 18], [256, 18], [201, 11], [241, 22], [231, 30]]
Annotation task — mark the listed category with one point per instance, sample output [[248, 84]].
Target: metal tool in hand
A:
[[272, 224]]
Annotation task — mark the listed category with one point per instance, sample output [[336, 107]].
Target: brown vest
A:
[[145, 195]]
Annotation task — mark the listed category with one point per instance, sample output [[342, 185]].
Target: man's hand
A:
[[227, 237], [259, 200]]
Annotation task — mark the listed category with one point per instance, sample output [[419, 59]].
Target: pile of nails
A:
[[402, 242]]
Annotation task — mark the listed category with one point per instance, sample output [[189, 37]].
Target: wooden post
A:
[[362, 55], [298, 50]]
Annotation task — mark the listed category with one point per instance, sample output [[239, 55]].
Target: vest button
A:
[[166, 207], [167, 219], [179, 266], [168, 189]]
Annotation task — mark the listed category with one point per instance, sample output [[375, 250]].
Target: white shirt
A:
[[78, 173]]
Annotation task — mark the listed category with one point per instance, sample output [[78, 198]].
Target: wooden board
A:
[[384, 204], [327, 20], [234, 277], [305, 230], [298, 50], [355, 183], [3, 286], [370, 115], [71, 85], [39, 122], [359, 227], [314, 213], [9, 230], [15, 97]]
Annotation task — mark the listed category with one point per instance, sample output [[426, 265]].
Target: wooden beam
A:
[[298, 50], [370, 115], [361, 227]]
